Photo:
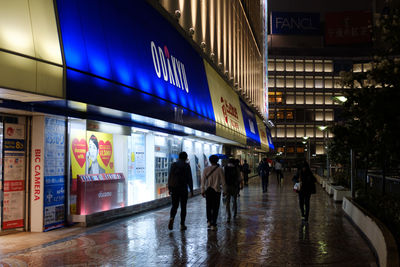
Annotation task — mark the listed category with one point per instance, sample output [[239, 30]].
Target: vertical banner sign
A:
[[14, 176], [37, 174], [54, 173]]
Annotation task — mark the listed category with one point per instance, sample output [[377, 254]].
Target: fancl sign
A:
[[293, 23]]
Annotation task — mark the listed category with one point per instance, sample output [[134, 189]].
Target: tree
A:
[[371, 114]]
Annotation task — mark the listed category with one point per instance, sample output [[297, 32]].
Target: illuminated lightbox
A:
[[100, 192]]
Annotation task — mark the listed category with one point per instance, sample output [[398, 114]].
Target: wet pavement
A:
[[267, 232]]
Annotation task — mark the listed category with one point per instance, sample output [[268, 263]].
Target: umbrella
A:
[[221, 156]]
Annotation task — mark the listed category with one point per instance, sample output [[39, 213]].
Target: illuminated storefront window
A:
[[116, 166]]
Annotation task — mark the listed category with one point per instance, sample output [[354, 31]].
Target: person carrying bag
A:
[[305, 186], [211, 182]]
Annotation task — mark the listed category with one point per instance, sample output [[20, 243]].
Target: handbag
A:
[[210, 188], [297, 187]]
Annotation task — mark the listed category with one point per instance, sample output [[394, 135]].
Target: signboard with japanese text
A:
[[228, 113], [14, 176], [54, 173], [352, 27]]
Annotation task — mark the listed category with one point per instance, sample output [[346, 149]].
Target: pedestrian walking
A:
[[263, 172], [179, 180], [278, 170], [239, 170], [246, 171], [232, 187], [211, 182], [305, 179]]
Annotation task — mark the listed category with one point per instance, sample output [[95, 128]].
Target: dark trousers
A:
[[246, 178], [213, 200], [179, 196], [228, 205], [279, 176], [304, 201], [264, 182]]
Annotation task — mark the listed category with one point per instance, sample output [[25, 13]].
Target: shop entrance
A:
[[12, 172]]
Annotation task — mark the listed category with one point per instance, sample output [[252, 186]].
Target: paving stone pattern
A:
[[267, 232]]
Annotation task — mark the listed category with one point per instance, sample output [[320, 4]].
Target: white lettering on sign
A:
[[172, 70], [36, 191], [104, 194], [300, 23]]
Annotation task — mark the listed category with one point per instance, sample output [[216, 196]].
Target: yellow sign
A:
[[78, 152], [262, 130], [226, 104]]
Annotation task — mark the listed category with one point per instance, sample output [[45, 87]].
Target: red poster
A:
[[352, 27]]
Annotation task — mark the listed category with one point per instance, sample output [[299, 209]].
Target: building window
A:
[[290, 131], [299, 65], [289, 65], [319, 99], [300, 98]]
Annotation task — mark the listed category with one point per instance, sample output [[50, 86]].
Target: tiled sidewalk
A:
[[267, 232]]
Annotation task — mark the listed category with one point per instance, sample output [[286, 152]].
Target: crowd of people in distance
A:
[[228, 180]]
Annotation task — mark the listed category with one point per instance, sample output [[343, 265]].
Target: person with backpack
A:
[[246, 171], [179, 180], [232, 187], [211, 182], [263, 172]]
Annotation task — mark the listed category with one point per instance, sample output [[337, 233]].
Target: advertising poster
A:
[[228, 113], [139, 157], [14, 176], [54, 173], [78, 150], [100, 155], [262, 129]]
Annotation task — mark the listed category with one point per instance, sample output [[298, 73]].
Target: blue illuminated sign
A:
[[269, 138], [124, 55], [250, 124], [294, 23]]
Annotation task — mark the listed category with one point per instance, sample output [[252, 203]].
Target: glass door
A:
[[1, 171], [13, 173]]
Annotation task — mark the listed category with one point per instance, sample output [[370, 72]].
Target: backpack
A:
[[231, 175]]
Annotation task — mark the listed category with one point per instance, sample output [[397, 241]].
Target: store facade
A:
[[116, 98]]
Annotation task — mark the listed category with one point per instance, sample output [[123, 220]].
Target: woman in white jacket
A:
[[211, 182]]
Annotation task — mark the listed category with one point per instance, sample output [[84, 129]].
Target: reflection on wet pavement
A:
[[267, 232]]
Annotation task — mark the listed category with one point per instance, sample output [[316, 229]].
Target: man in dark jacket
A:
[[263, 172], [179, 180], [246, 171]]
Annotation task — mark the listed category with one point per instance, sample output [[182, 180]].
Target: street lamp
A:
[[307, 140], [340, 99], [323, 129]]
